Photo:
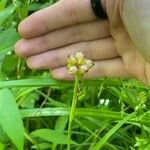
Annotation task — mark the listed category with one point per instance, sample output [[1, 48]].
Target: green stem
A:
[[18, 68], [73, 106]]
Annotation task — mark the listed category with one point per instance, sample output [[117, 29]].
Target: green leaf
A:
[[51, 136], [61, 123], [10, 118], [41, 146], [7, 39], [60, 127], [147, 147], [34, 83], [5, 13], [3, 136], [2, 146], [2, 4], [60, 111]]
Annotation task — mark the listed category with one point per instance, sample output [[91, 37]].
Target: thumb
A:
[[136, 17]]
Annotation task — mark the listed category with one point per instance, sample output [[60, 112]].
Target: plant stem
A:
[[18, 68], [73, 106]]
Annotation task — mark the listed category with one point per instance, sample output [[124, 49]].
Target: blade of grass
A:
[[80, 112], [50, 82], [33, 83], [99, 145], [55, 103], [45, 112]]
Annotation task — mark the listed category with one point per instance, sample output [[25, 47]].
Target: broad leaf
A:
[[51, 136], [2, 4], [7, 39], [10, 118], [5, 13]]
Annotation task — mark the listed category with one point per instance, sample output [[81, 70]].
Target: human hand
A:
[[69, 26]]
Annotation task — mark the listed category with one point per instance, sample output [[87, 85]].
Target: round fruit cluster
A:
[[78, 65]]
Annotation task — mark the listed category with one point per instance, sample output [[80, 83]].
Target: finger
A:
[[104, 68], [77, 33], [95, 50], [61, 14]]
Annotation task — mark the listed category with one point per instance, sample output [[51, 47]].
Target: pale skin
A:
[[70, 26]]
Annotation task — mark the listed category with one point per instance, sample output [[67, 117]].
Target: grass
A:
[[111, 114]]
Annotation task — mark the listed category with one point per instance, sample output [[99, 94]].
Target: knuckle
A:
[[87, 50], [75, 34], [55, 60], [72, 10]]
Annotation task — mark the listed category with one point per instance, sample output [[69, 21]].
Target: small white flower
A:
[[9, 53], [102, 101], [107, 102]]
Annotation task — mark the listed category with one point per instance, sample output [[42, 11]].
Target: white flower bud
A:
[[89, 63], [80, 58], [73, 69], [83, 69], [72, 60], [79, 55]]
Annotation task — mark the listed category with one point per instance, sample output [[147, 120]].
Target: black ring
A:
[[98, 9]]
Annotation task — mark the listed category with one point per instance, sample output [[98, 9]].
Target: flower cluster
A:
[[78, 65]]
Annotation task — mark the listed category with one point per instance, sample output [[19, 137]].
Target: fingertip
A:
[[19, 49], [35, 63], [22, 48], [30, 64], [24, 29], [33, 26]]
